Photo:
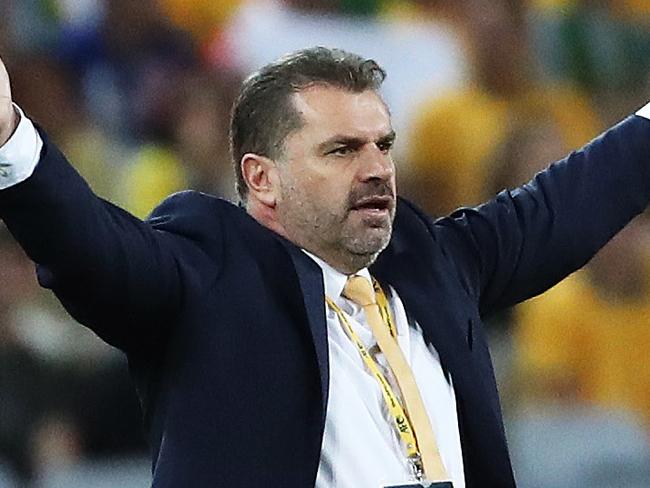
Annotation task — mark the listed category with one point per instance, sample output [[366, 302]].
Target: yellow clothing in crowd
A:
[[456, 138], [572, 336], [154, 173], [200, 17]]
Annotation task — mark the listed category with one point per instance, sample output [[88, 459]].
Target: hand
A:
[[8, 116]]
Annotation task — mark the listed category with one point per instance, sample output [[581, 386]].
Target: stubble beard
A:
[[334, 236], [360, 247]]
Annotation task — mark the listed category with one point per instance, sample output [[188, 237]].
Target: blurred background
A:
[[484, 93]]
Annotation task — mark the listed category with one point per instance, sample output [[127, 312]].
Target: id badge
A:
[[439, 484]]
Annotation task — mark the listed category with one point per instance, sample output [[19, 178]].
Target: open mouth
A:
[[374, 205]]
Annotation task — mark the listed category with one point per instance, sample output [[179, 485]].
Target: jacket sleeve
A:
[[118, 275], [526, 240]]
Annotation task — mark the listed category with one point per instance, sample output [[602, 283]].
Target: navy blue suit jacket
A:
[[223, 321]]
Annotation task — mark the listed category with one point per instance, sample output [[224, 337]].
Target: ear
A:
[[261, 176]]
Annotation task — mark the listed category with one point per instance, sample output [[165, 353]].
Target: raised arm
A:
[[114, 273], [526, 240]]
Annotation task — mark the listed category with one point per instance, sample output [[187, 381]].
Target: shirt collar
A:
[[333, 280]]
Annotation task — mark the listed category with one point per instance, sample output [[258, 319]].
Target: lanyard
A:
[[399, 416]]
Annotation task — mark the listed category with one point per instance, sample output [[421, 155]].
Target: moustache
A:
[[378, 194]]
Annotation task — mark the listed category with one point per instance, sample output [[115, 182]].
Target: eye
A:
[[342, 151], [385, 146]]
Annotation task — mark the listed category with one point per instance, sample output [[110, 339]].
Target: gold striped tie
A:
[[360, 291]]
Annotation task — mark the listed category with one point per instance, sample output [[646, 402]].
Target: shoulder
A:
[[188, 202], [191, 207], [415, 229], [195, 216], [410, 220], [414, 222]]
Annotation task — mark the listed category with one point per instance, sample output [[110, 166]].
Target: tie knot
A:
[[359, 290]]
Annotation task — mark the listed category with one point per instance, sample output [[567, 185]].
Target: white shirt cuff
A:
[[20, 154], [644, 112]]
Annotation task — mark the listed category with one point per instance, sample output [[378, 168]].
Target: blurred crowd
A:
[[484, 93]]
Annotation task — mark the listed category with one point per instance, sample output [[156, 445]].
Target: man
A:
[[258, 361]]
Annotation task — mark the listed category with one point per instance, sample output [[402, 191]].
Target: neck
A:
[[345, 263], [348, 263]]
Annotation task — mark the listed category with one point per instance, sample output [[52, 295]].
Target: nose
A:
[[375, 164]]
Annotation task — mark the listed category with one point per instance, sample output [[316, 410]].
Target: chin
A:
[[370, 244]]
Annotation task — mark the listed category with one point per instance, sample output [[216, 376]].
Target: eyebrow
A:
[[355, 141], [390, 137]]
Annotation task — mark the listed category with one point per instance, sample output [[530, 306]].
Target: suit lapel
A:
[[310, 278], [303, 289]]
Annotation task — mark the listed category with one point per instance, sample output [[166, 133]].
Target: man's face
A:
[[337, 177]]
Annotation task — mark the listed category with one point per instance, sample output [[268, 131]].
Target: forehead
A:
[[326, 110]]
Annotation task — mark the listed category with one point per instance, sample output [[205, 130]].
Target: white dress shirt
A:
[[644, 112], [20, 155], [361, 446]]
